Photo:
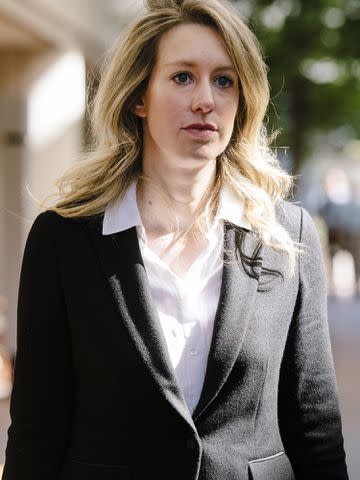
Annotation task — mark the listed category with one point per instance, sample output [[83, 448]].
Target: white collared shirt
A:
[[186, 306]]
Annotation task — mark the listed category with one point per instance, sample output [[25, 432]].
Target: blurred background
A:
[[49, 51]]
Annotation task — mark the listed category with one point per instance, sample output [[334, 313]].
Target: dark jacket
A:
[[95, 396]]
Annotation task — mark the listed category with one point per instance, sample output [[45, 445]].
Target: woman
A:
[[172, 305]]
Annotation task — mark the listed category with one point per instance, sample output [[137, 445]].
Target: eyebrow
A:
[[192, 64]]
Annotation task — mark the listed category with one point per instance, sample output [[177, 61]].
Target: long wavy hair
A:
[[114, 159]]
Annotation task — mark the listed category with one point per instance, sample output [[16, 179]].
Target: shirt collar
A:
[[124, 213], [231, 208]]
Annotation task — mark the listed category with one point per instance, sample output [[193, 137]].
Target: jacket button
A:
[[191, 444]]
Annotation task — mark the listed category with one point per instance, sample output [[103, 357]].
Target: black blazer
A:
[[95, 396]]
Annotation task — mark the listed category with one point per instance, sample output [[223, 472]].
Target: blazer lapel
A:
[[236, 304], [125, 273]]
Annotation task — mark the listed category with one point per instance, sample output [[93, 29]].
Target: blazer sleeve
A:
[[309, 415], [41, 399]]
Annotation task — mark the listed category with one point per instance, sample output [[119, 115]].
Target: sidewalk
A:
[[344, 322]]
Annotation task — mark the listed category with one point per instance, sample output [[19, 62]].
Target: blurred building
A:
[[47, 48]]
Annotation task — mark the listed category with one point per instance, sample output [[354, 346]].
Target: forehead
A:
[[192, 44]]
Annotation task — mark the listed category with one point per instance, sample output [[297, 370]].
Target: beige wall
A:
[[48, 159], [25, 164], [12, 158]]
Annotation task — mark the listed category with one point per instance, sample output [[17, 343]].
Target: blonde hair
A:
[[247, 165]]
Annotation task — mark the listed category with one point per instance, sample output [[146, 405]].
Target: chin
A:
[[202, 153]]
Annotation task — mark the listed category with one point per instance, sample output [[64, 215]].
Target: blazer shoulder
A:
[[298, 221], [49, 219], [290, 216], [52, 234]]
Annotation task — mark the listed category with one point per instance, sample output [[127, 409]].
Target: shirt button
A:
[[193, 351]]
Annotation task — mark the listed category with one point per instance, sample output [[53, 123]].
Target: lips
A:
[[201, 133], [201, 126]]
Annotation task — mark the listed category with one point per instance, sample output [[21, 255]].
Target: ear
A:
[[139, 109]]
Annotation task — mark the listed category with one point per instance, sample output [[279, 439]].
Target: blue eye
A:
[[227, 79], [181, 76], [223, 80]]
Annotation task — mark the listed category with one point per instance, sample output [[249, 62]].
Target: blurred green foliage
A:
[[312, 49]]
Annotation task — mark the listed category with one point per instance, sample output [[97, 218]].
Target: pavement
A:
[[344, 324]]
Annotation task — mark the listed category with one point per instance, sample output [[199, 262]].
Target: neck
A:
[[170, 200]]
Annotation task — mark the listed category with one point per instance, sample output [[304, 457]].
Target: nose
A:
[[203, 98]]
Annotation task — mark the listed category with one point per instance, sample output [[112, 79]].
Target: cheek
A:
[[168, 110], [231, 108], [229, 114]]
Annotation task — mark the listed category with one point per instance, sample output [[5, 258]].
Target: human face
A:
[[193, 81]]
